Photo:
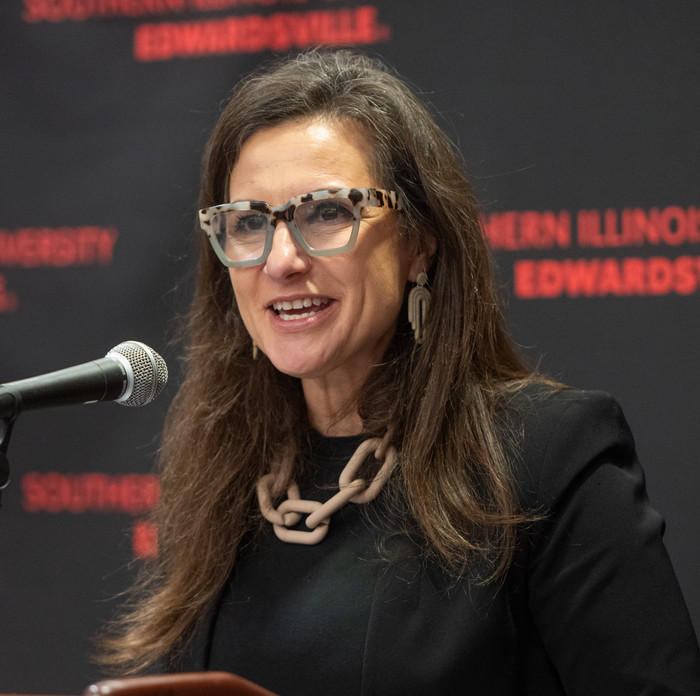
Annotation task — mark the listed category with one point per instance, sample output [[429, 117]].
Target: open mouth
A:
[[300, 308]]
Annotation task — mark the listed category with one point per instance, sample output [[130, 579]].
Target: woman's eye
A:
[[251, 223], [330, 211]]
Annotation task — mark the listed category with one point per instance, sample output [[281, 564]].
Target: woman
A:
[[487, 531]]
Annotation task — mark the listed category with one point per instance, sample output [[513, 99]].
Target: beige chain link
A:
[[354, 490]]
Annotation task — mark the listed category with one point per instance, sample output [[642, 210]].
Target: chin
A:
[[300, 368]]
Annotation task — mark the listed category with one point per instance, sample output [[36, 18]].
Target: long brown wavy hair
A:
[[233, 416]]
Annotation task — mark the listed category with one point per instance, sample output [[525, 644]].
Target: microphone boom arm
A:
[[5, 432], [131, 374]]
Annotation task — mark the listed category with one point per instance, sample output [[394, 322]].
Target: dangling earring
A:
[[418, 301], [255, 350]]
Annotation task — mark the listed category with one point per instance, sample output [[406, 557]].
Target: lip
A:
[[317, 309]]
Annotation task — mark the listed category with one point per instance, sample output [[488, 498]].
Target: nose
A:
[[286, 256]]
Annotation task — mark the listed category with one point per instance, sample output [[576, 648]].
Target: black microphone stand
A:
[[6, 423]]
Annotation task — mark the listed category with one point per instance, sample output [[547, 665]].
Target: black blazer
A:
[[591, 606]]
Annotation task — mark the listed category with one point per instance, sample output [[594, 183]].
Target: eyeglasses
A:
[[323, 223]]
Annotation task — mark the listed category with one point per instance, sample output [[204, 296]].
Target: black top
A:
[[283, 594], [591, 605]]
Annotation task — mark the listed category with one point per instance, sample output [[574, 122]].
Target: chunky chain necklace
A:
[[353, 490]]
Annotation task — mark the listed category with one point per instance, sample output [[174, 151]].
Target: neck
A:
[[330, 410]]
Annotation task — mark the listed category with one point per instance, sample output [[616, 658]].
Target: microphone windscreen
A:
[[149, 372]]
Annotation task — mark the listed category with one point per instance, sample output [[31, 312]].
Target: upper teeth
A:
[[299, 304]]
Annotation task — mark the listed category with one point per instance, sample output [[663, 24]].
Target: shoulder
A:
[[591, 566], [557, 434], [540, 405]]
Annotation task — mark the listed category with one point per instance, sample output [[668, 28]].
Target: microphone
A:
[[132, 374]]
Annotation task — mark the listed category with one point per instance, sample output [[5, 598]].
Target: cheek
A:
[[242, 291], [385, 283], [390, 266], [239, 283]]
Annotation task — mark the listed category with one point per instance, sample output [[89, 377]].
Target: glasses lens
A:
[[325, 224], [241, 233]]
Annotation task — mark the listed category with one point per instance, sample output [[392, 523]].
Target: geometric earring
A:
[[418, 302]]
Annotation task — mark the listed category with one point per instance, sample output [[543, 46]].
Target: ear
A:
[[422, 259]]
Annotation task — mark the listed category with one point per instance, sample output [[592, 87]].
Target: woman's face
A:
[[344, 307]]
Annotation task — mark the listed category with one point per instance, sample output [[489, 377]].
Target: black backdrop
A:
[[579, 122]]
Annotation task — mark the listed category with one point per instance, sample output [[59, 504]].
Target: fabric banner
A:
[[578, 122]]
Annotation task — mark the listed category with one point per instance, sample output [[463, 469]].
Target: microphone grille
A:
[[150, 373]]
